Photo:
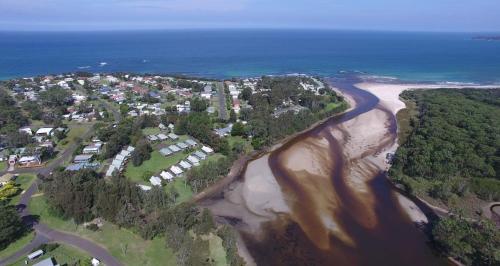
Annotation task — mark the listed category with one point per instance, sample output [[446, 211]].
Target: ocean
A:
[[444, 57]]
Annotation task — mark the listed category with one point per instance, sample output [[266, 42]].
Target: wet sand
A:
[[322, 197]]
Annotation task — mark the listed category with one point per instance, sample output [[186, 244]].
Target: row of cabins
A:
[[192, 160], [162, 137], [180, 146], [119, 161]]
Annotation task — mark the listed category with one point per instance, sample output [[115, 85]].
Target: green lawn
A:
[[62, 255], [217, 251], [232, 140], [185, 192], [24, 181], [3, 166], [156, 164], [128, 247], [151, 131], [332, 106], [12, 248], [73, 134]]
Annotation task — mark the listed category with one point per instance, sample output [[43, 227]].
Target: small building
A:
[[166, 175], [26, 130], [207, 149], [173, 136], [162, 137], [185, 165], [45, 262], [155, 181], [35, 254], [30, 161], [95, 262], [45, 131], [120, 157], [13, 159], [83, 158], [111, 170], [195, 161], [152, 138], [176, 170], [166, 152], [182, 145], [190, 143], [201, 155], [94, 148], [125, 154], [174, 148], [130, 149]]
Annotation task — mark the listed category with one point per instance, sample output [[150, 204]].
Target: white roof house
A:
[[117, 163], [125, 153], [26, 130], [182, 145], [173, 136], [174, 148], [45, 262], [130, 149], [155, 181], [193, 160], [144, 187], [165, 152], [166, 175], [200, 155], [47, 131], [190, 142], [207, 149], [35, 254], [162, 136], [152, 138], [111, 170], [120, 157], [185, 165], [176, 170]]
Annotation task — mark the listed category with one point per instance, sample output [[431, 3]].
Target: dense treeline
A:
[[279, 93], [452, 152], [209, 172], [84, 195], [11, 225], [11, 117], [454, 146]]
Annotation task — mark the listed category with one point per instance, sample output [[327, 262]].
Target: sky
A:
[[393, 15]]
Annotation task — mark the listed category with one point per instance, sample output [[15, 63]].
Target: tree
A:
[[246, 93], [232, 116], [56, 97], [11, 225], [198, 104], [238, 129], [141, 153]]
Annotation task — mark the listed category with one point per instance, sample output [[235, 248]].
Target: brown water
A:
[[329, 222]]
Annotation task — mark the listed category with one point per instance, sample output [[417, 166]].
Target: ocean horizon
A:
[[411, 56]]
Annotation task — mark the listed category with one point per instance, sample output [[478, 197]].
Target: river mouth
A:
[[322, 197]]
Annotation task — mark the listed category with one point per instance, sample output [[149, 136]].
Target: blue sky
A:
[[399, 15]]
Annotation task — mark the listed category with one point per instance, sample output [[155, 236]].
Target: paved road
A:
[[222, 101], [45, 234]]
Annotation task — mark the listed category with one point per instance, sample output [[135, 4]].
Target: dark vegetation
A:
[[84, 195], [11, 117], [451, 155]]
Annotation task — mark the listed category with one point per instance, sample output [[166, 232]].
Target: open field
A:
[[24, 181], [63, 255], [128, 247], [156, 164], [184, 190]]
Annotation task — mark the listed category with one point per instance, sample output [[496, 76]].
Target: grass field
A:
[[184, 190], [62, 255], [73, 134], [3, 166], [128, 247], [13, 247], [156, 164], [24, 181], [217, 251], [151, 131]]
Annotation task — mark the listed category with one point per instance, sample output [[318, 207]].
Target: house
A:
[[174, 148], [200, 155], [173, 136], [176, 170], [45, 262], [94, 148], [185, 165], [182, 145], [155, 181], [26, 130], [207, 149], [152, 138], [236, 105], [80, 166], [130, 149], [13, 159], [111, 170], [162, 137], [162, 126], [95, 262], [193, 160], [190, 143], [120, 157], [45, 131], [167, 175], [30, 161], [166, 151], [224, 132], [125, 154], [83, 158]]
